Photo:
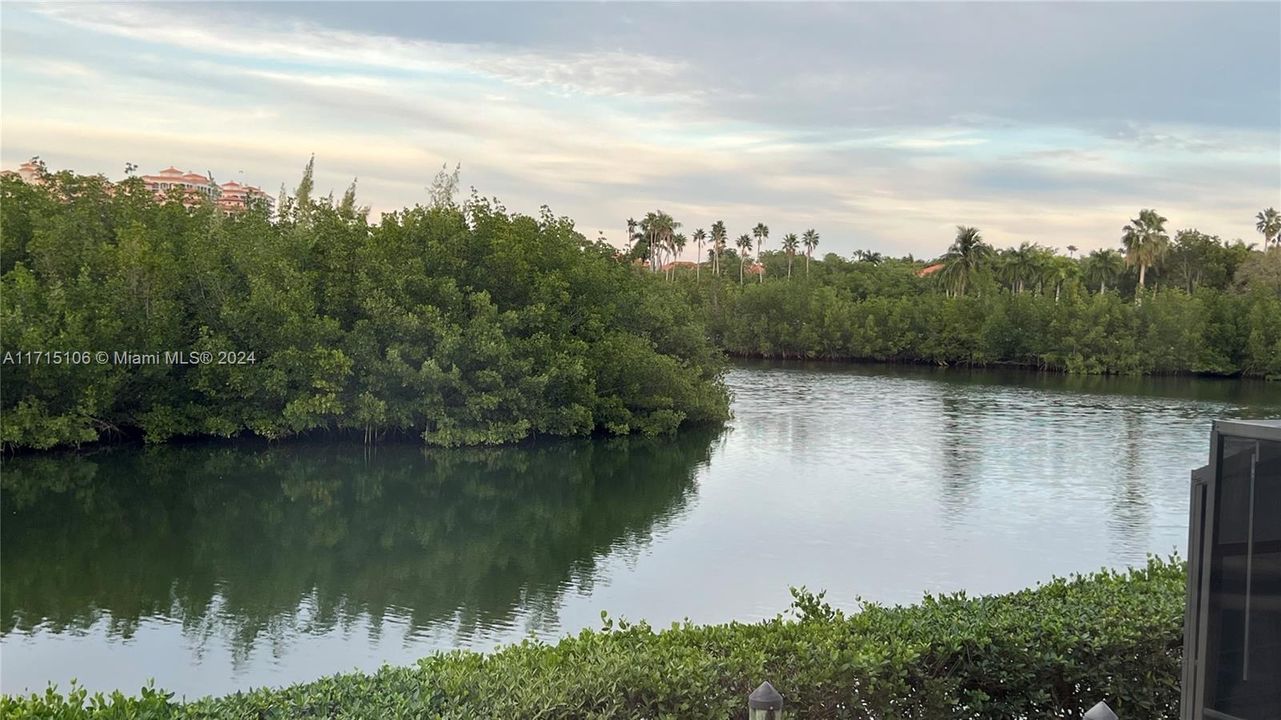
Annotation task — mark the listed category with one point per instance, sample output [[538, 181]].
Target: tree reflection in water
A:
[[260, 543]]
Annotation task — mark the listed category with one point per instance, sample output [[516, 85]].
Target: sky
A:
[[883, 126]]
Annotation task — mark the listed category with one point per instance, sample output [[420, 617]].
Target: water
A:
[[212, 568]]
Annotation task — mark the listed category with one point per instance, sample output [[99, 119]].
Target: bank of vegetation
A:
[[464, 324], [1048, 652], [1188, 304], [461, 323]]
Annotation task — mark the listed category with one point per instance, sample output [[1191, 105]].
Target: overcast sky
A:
[[881, 125]]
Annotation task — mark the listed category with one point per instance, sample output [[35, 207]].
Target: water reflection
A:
[[257, 545], [215, 568], [960, 441], [1129, 514]]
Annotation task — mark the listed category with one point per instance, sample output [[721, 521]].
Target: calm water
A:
[[214, 568]]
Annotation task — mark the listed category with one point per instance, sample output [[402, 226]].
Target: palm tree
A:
[[761, 233], [658, 228], [1059, 271], [700, 236], [1103, 268], [719, 238], [791, 244], [1145, 241], [678, 246], [1045, 271], [744, 244], [631, 232], [1071, 250], [810, 240], [646, 238], [867, 256], [1270, 225], [1021, 265], [964, 259]]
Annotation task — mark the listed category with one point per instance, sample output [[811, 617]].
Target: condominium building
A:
[[235, 197], [28, 172], [193, 184], [231, 197]]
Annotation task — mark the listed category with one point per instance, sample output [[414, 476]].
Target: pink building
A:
[[28, 172], [231, 197], [235, 197], [194, 185]]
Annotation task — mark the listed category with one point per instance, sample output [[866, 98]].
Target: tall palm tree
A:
[[670, 226], [810, 240], [1071, 251], [791, 244], [964, 258], [678, 246], [744, 244], [1270, 225], [1022, 264], [719, 239], [761, 233], [1145, 241], [1103, 268], [659, 230], [1060, 271], [1002, 265], [700, 236], [1043, 268], [647, 238], [631, 232]]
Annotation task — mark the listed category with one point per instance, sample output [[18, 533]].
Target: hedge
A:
[[1046, 652]]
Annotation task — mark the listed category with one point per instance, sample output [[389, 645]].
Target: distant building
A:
[[28, 172], [235, 197], [681, 264], [231, 197], [195, 186], [929, 270]]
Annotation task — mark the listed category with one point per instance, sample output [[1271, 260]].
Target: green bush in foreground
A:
[[1051, 651]]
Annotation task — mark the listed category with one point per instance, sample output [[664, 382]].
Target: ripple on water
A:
[[212, 569]]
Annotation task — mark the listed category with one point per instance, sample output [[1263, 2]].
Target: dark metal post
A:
[[765, 703]]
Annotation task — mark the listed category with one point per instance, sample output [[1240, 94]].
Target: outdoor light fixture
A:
[[1232, 626], [1100, 711], [765, 703]]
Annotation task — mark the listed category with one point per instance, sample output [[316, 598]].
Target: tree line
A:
[[461, 323], [1191, 303], [655, 239], [464, 323]]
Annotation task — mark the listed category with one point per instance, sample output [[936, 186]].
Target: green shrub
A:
[[462, 325], [1046, 652]]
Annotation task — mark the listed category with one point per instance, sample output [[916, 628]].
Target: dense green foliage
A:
[[1191, 304], [1209, 331], [1051, 651], [1208, 307], [462, 324], [468, 324]]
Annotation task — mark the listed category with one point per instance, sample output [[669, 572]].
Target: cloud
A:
[[883, 126], [591, 73]]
